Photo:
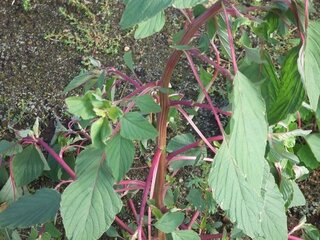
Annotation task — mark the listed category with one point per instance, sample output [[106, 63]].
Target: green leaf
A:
[[298, 199], [273, 217], [185, 235], [195, 198], [309, 63], [169, 221], [223, 35], [79, 80], [89, 204], [310, 232], [100, 131], [30, 210], [239, 164], [81, 106], [138, 11], [313, 141], [306, 156], [9, 148], [147, 104], [27, 166], [10, 192], [150, 26], [135, 127], [290, 93], [187, 3], [127, 57], [181, 47], [120, 153]]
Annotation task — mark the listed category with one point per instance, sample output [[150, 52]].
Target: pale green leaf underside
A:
[[135, 127], [187, 3], [185, 235], [138, 11], [30, 210], [310, 64], [89, 205], [150, 26], [10, 193]]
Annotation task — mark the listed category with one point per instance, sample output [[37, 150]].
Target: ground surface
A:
[[34, 71]]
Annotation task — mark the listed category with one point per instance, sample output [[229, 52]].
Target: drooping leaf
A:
[[298, 199], [30, 210], [185, 235], [79, 80], [150, 26], [187, 3], [127, 57], [222, 33], [273, 217], [100, 131], [81, 106], [27, 166], [147, 104], [9, 148], [313, 141], [239, 164], [10, 192], [89, 204], [309, 63], [135, 127], [169, 221], [120, 154], [138, 11], [307, 157]]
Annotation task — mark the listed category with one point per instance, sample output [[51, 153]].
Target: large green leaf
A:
[[89, 204], [135, 127], [81, 106], [30, 210], [120, 154], [147, 104], [169, 221], [309, 64], [27, 166], [187, 3], [273, 217], [239, 164], [150, 26], [138, 11], [185, 235]]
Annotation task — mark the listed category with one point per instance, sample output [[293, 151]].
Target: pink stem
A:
[[61, 183], [211, 236], [123, 225], [186, 116], [203, 89], [132, 182], [134, 82], [62, 163], [192, 145], [133, 209], [187, 158], [230, 38], [306, 14], [129, 189], [193, 219], [291, 237], [13, 184], [153, 169]]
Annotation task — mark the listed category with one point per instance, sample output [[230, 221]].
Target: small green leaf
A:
[[185, 235], [306, 156], [30, 210], [135, 127], [150, 26], [127, 57], [313, 141], [79, 80], [310, 232], [10, 192], [27, 166], [195, 198], [139, 11], [298, 199], [169, 221], [81, 106], [181, 47], [187, 3], [147, 104], [120, 154], [100, 131]]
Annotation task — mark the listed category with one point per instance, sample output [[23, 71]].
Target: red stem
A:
[[193, 219], [291, 237], [61, 162], [134, 82], [123, 225]]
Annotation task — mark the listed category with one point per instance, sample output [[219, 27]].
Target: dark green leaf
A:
[[120, 154], [30, 210], [127, 57], [27, 166], [138, 11], [135, 127], [10, 192], [147, 104], [79, 80], [195, 198], [169, 221], [9, 148]]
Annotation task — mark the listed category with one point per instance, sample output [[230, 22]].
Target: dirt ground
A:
[[34, 71]]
